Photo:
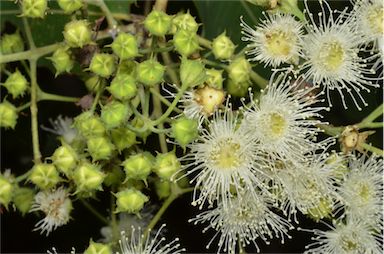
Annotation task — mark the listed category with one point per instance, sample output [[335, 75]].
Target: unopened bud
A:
[[103, 64], [65, 159], [114, 114], [123, 87], [131, 201], [88, 177], [77, 33], [70, 6], [150, 72], [123, 138], [62, 60], [215, 78], [34, 8], [6, 191], [98, 248], [44, 175], [166, 165], [192, 72], [8, 115], [138, 166], [125, 46], [11, 43], [222, 47], [16, 84], [100, 148], [239, 70], [23, 199], [184, 21], [157, 23], [89, 125], [184, 130], [185, 42]]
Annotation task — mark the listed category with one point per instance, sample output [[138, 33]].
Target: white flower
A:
[[56, 206], [54, 251], [283, 122], [244, 221], [306, 186], [275, 41], [136, 244], [362, 190], [354, 237], [331, 50], [62, 127], [224, 159]]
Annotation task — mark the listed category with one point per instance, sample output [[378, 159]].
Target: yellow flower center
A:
[[279, 43], [376, 20], [364, 193], [209, 98], [226, 154], [348, 244], [275, 125], [331, 56]]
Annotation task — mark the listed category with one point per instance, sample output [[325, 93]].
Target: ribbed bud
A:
[[215, 78], [89, 125], [185, 42], [8, 115], [184, 21], [125, 46], [123, 138], [184, 130], [237, 89], [23, 199], [100, 148], [150, 72], [77, 33], [123, 87], [239, 70], [222, 47], [70, 6], [138, 166], [157, 23], [98, 248], [6, 191], [95, 83], [131, 201], [88, 177], [166, 165], [16, 84], [192, 72], [114, 114], [114, 177], [11, 43], [65, 159], [44, 175], [62, 60], [103, 64], [34, 8]]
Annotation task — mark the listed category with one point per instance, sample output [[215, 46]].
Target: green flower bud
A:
[[11, 43], [237, 89], [123, 138], [8, 115], [123, 87], [184, 130], [23, 199], [77, 33], [65, 159], [239, 70], [62, 61], [222, 47], [6, 191], [16, 84], [125, 46], [131, 201], [166, 165], [114, 114], [98, 248], [215, 78], [100, 148], [95, 83], [70, 6], [127, 67], [150, 72], [34, 8], [103, 64], [185, 42], [138, 166], [138, 123], [162, 188], [184, 21], [88, 177], [157, 23], [89, 125], [114, 177], [44, 175], [192, 72]]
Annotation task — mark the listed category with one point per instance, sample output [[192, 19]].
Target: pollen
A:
[[274, 125], [226, 155], [331, 56], [279, 43], [375, 18]]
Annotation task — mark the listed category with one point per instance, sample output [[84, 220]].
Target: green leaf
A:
[[219, 16]]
